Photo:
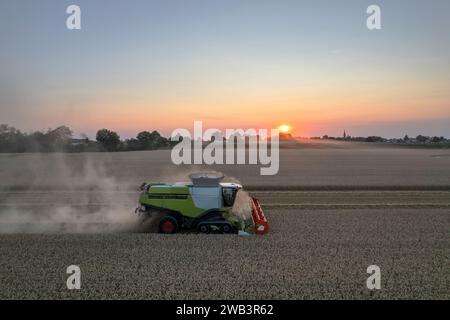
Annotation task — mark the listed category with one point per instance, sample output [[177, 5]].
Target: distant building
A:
[[76, 142]]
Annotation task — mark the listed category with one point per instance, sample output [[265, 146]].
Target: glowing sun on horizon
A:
[[284, 128]]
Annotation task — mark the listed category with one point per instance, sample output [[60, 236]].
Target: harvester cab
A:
[[205, 205]]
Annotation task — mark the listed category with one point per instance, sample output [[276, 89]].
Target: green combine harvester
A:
[[205, 205]]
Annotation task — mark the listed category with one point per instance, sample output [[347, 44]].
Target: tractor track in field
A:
[[295, 199], [251, 188], [95, 207]]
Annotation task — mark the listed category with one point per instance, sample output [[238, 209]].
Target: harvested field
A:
[[308, 254], [358, 167], [332, 212]]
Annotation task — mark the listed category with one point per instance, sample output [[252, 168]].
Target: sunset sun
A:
[[284, 128]]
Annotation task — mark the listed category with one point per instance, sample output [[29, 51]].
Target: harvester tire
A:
[[226, 228], [204, 228], [168, 224]]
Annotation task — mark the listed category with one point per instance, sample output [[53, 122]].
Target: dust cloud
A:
[[242, 206], [65, 197]]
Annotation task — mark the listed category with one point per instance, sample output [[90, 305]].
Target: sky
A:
[[161, 64]]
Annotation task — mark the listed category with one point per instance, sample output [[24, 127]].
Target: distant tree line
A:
[[61, 139], [420, 139]]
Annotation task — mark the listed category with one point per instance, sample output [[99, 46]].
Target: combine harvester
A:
[[205, 205]]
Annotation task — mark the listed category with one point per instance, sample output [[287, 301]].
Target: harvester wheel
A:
[[204, 228], [226, 228], [168, 224]]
